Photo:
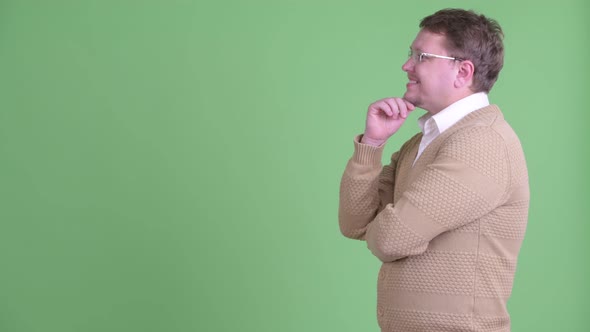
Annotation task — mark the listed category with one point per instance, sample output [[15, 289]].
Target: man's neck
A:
[[455, 98]]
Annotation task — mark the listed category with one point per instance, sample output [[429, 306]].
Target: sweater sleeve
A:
[[363, 183], [467, 179]]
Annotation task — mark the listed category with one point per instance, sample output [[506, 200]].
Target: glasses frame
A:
[[421, 56]]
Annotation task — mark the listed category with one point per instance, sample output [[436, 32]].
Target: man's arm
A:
[[468, 179], [362, 184], [359, 188]]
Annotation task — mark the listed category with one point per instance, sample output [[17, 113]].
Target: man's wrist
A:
[[372, 142]]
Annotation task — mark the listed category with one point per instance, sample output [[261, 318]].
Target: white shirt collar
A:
[[434, 125], [456, 111]]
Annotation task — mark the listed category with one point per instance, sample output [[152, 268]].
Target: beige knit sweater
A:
[[448, 229]]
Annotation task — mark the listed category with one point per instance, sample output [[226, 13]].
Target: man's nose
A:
[[408, 65]]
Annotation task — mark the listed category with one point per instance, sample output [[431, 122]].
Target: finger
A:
[[409, 105], [383, 107], [403, 109], [394, 108]]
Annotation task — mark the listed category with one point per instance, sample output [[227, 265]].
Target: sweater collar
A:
[[455, 112]]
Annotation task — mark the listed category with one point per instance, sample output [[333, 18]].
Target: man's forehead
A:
[[427, 40]]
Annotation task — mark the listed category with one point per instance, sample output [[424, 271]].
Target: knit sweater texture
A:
[[448, 229]]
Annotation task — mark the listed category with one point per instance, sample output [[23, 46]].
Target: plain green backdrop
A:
[[174, 165]]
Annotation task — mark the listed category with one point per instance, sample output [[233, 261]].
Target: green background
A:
[[174, 165]]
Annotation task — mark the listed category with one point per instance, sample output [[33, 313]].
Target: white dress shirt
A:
[[434, 125]]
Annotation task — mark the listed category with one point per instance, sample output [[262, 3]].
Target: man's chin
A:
[[412, 99]]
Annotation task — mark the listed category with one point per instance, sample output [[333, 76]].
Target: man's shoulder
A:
[[483, 123], [485, 116]]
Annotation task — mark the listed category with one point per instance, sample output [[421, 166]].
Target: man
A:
[[447, 216]]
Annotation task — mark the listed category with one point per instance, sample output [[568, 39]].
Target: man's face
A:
[[431, 81]]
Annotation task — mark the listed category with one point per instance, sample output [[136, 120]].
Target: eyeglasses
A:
[[419, 57]]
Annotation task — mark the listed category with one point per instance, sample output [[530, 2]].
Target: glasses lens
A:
[[415, 57]]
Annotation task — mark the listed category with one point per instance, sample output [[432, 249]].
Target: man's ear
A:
[[465, 74]]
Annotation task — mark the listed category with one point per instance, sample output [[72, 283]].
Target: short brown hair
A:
[[473, 37]]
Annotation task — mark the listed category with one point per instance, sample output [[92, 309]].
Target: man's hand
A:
[[384, 118]]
